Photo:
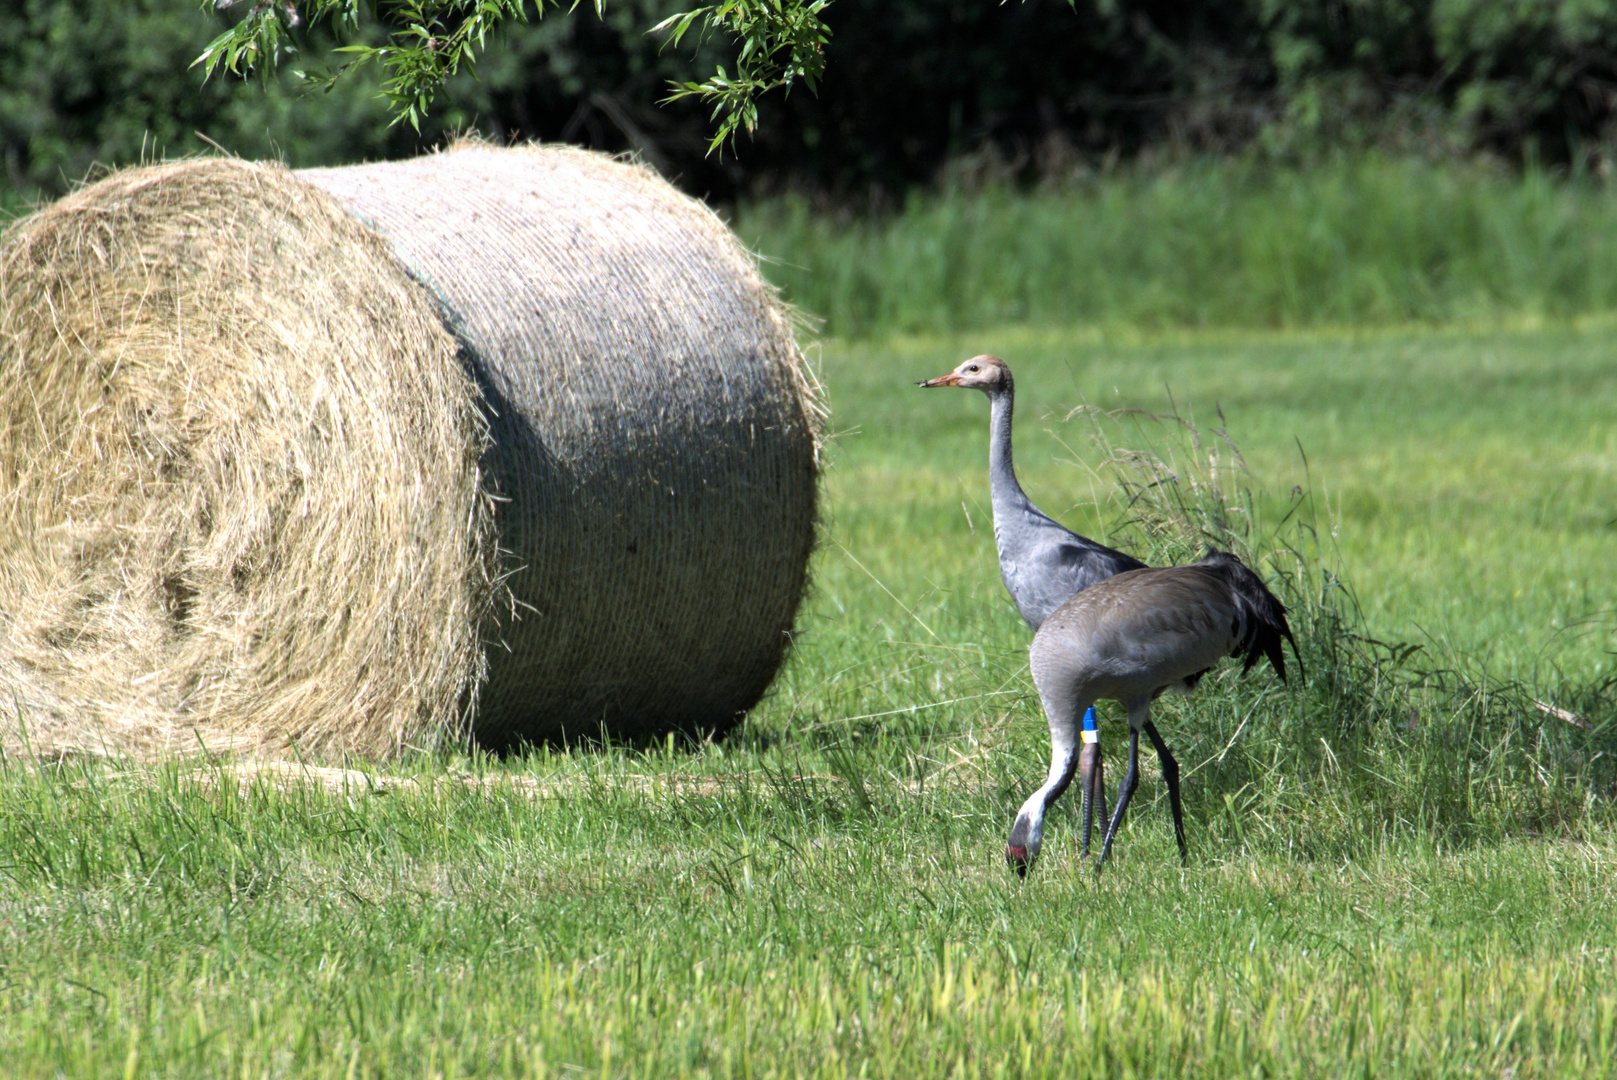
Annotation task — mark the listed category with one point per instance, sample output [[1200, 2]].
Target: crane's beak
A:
[[951, 379]]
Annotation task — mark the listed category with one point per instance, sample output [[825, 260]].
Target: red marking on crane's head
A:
[[1017, 859]]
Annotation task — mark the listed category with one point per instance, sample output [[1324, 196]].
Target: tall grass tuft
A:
[[1221, 244], [1370, 740]]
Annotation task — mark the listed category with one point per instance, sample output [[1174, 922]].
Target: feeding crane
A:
[[1129, 639], [1041, 561]]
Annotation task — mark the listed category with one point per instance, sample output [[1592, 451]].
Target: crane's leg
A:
[[1131, 780], [1100, 786], [1170, 776], [1092, 777], [1088, 763]]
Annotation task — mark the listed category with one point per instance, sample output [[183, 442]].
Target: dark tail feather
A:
[[1266, 615], [1267, 641]]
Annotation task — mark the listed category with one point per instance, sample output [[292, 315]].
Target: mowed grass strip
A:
[[823, 894]]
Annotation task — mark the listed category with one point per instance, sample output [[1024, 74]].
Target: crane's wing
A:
[[1044, 564], [1057, 565], [1143, 631], [1262, 615]]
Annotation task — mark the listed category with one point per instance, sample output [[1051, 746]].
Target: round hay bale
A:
[[654, 432], [241, 460], [307, 459]]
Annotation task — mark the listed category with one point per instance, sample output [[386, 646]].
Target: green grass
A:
[[1366, 241], [182, 929], [1384, 880]]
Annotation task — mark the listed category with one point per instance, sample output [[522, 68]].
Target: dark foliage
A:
[[914, 89]]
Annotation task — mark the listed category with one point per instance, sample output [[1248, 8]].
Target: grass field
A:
[[1363, 241], [1381, 882], [1470, 477]]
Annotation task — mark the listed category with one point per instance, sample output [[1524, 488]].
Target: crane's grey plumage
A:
[[1128, 639], [1041, 561]]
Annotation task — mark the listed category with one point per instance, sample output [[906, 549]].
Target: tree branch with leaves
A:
[[423, 43]]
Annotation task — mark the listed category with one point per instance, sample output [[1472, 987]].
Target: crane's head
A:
[[1027, 836], [987, 373]]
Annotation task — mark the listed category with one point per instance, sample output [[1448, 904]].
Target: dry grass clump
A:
[[1370, 737], [239, 464]]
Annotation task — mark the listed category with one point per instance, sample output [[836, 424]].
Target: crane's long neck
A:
[[1002, 485], [1027, 831]]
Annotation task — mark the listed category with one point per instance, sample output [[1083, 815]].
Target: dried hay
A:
[[241, 501], [285, 775], [249, 489]]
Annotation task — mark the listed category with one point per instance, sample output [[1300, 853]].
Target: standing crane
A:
[[1042, 563], [1129, 639]]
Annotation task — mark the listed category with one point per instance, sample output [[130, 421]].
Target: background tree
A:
[[425, 43], [913, 92]]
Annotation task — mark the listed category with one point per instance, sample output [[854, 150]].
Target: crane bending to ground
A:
[[1128, 639], [1042, 563]]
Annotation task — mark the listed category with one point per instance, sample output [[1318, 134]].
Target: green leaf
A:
[[777, 42]]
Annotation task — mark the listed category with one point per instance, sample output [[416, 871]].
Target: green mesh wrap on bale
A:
[[654, 432]]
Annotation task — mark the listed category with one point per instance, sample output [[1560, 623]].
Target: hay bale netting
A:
[[257, 500], [654, 432]]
